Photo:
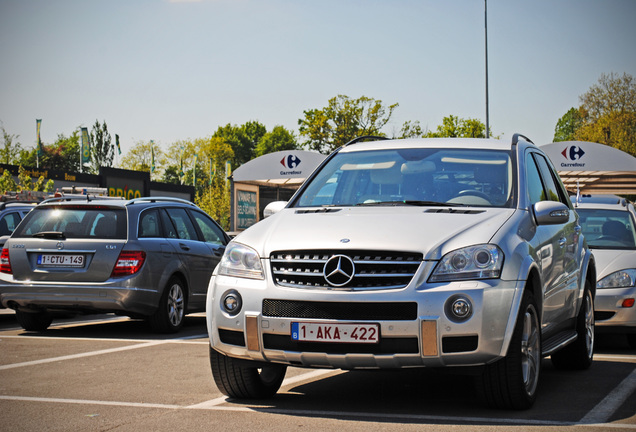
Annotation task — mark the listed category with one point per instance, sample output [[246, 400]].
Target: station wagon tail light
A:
[[5, 262], [128, 263], [470, 263]]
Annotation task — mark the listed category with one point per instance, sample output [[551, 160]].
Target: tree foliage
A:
[[11, 148], [102, 150], [567, 126], [456, 127], [343, 119], [139, 158], [608, 111], [243, 139], [279, 139]]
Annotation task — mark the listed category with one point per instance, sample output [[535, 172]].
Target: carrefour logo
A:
[[290, 162], [572, 153]]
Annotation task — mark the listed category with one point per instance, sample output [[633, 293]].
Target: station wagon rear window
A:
[[74, 222]]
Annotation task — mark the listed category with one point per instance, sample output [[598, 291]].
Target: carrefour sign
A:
[[573, 154]]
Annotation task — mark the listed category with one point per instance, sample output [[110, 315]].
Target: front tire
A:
[[241, 380], [511, 383], [171, 311], [34, 321], [579, 354]]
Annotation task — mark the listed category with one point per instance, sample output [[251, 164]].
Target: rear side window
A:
[[75, 222], [183, 224], [8, 222], [149, 224], [210, 231]]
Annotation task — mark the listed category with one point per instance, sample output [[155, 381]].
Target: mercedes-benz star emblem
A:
[[339, 270], [59, 245]]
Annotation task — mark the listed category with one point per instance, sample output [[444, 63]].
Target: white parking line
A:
[[606, 408], [76, 356], [287, 382], [331, 414]]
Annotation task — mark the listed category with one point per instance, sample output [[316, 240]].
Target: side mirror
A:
[[550, 213], [273, 207]]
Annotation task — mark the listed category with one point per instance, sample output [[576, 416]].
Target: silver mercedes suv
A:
[[145, 258], [454, 253]]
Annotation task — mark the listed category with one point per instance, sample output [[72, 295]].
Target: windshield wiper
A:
[[410, 202], [50, 235]]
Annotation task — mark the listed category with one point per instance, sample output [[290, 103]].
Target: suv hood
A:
[[430, 231], [610, 260]]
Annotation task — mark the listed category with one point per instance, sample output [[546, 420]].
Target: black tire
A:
[[511, 383], [172, 307], [579, 354], [34, 321], [241, 380]]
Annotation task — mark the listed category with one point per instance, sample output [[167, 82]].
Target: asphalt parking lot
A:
[[107, 373]]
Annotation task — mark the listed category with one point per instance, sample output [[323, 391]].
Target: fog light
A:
[[458, 308], [627, 303], [231, 302]]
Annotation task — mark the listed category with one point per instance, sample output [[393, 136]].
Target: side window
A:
[[211, 232], [8, 223], [552, 188], [183, 224], [169, 231], [533, 179], [149, 224]]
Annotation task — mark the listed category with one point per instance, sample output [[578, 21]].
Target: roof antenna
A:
[[578, 194]]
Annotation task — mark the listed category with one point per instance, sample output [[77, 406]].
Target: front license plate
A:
[[328, 332], [61, 260]]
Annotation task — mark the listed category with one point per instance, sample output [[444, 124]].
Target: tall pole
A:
[[486, 46]]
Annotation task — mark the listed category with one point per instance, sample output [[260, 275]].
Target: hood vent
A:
[[454, 211], [320, 210]]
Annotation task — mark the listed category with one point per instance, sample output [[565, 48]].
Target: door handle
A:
[[562, 241], [184, 246]]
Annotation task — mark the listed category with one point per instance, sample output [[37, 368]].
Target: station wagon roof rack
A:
[[80, 197], [515, 138], [364, 138], [160, 199]]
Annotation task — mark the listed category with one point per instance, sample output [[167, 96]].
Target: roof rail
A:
[[364, 138], [159, 199], [515, 138], [80, 197]]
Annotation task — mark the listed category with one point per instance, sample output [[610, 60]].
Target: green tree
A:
[[27, 184], [279, 139], [343, 119], [139, 158], [411, 130], [243, 139], [102, 150], [7, 182], [456, 127], [567, 126], [63, 154], [608, 111], [11, 147]]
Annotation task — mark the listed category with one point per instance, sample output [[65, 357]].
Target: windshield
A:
[[446, 177], [607, 229]]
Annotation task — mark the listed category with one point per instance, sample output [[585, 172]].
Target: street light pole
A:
[[486, 49]]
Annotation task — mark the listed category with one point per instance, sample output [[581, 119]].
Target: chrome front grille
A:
[[370, 270]]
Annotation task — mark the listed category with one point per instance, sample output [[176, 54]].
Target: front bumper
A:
[[610, 314], [427, 339]]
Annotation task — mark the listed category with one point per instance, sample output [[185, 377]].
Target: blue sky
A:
[[168, 71]]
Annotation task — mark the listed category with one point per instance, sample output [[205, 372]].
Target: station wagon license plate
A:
[[60, 260], [330, 332]]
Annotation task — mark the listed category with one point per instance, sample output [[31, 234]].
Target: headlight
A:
[[241, 261], [474, 262], [619, 279]]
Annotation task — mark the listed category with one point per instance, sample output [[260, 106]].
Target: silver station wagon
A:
[[609, 226], [145, 258], [439, 253]]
